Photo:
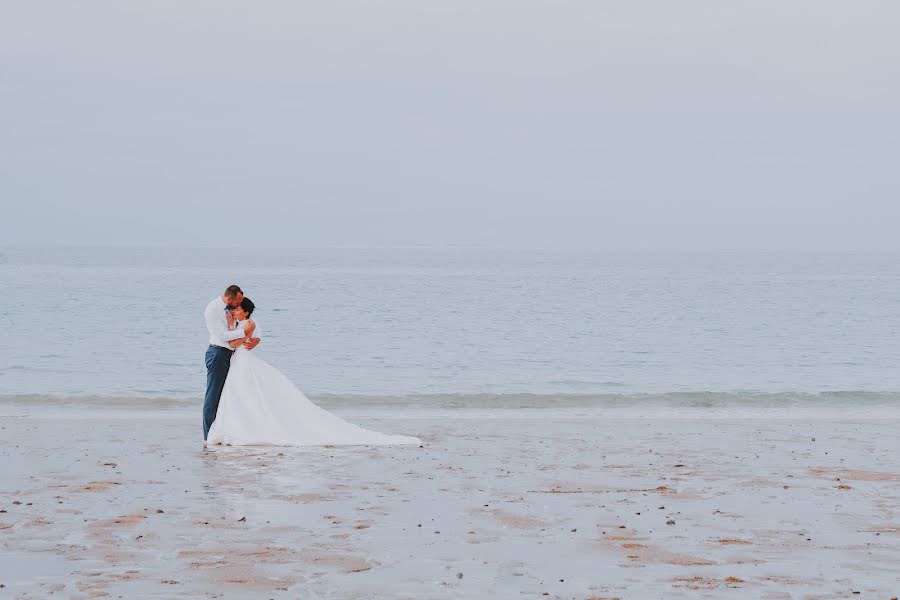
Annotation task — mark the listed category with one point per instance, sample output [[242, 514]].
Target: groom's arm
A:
[[235, 344], [218, 326], [248, 343], [248, 330]]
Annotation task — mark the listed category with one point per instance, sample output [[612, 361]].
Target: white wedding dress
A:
[[261, 407]]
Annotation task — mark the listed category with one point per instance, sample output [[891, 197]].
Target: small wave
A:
[[148, 402], [701, 399], [687, 400]]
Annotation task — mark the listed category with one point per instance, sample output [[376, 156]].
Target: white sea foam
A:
[[674, 405]]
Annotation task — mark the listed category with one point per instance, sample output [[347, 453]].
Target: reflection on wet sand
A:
[[542, 507]]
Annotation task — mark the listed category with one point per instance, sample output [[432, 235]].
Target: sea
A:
[[459, 326]]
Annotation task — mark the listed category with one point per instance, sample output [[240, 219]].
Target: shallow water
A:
[[462, 325]]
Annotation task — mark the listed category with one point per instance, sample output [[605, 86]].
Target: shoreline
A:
[[694, 405]]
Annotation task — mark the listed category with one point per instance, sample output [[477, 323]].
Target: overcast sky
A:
[[609, 125]]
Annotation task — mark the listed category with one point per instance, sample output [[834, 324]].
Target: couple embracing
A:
[[249, 402]]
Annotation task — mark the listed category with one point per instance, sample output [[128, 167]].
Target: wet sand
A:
[[503, 504]]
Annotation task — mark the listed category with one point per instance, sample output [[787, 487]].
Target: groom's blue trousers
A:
[[218, 360]]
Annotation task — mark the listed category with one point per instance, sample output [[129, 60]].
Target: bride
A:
[[261, 407]]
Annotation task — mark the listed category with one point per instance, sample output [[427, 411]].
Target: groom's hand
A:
[[251, 343]]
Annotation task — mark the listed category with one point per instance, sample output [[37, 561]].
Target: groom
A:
[[218, 355]]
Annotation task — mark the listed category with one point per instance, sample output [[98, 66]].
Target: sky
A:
[[743, 125]]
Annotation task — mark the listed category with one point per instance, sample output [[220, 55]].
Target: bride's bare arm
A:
[[250, 342]]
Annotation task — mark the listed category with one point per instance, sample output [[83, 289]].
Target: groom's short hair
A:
[[232, 291]]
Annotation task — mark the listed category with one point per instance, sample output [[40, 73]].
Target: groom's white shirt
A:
[[217, 324]]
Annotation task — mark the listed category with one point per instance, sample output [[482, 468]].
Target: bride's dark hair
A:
[[247, 305]]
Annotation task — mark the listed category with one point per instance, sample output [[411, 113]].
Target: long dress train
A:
[[261, 407]]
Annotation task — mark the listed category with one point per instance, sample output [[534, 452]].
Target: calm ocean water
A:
[[460, 325]]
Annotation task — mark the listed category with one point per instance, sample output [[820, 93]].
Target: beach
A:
[[513, 503], [624, 276]]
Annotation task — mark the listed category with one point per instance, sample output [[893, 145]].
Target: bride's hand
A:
[[229, 316]]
